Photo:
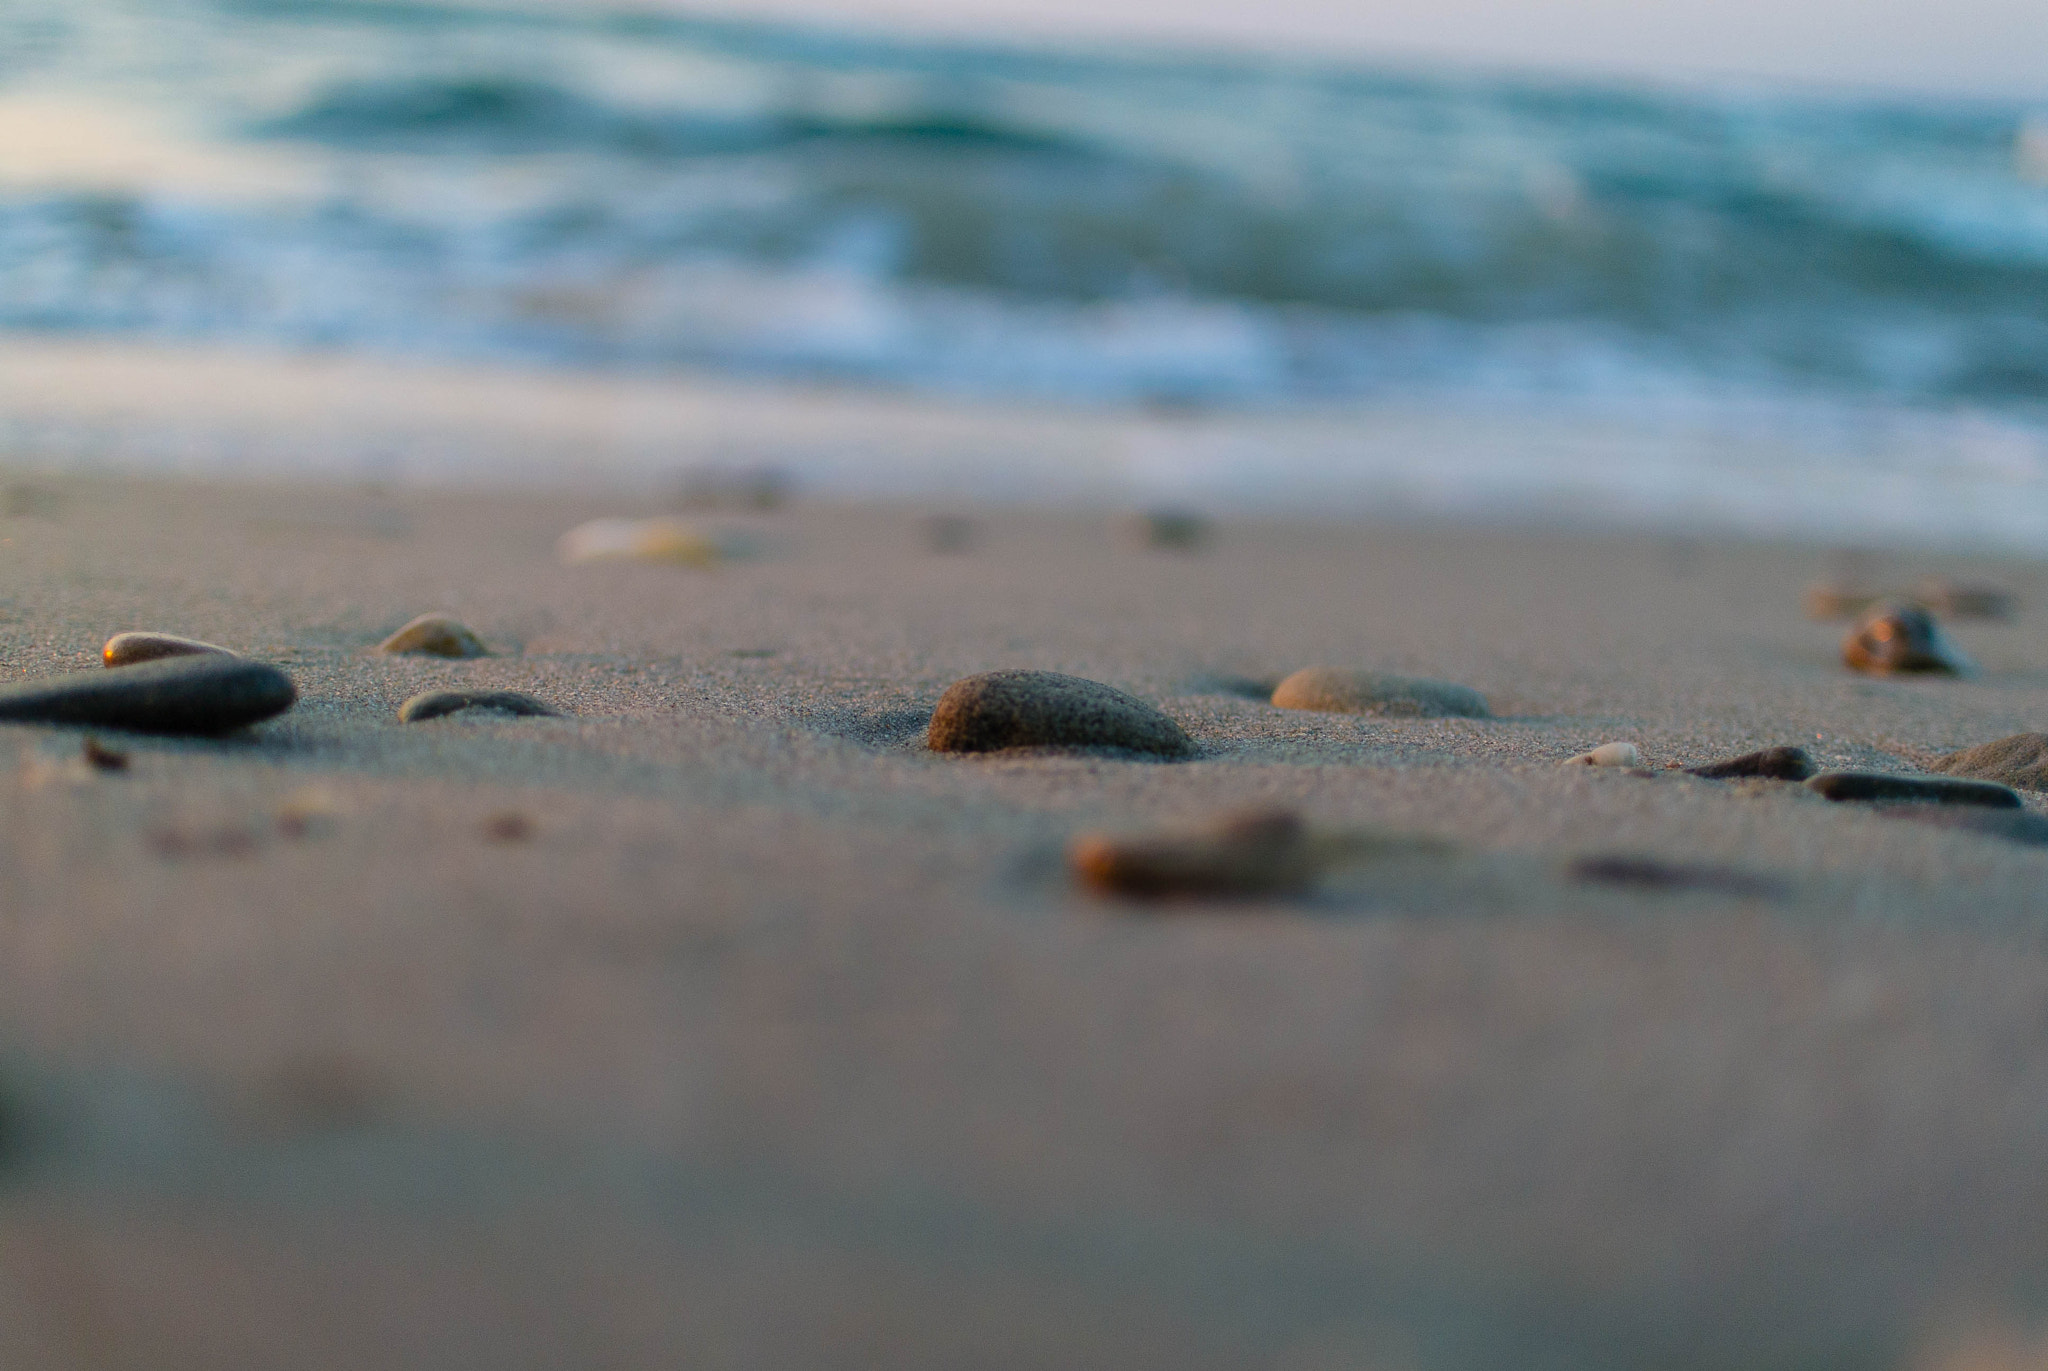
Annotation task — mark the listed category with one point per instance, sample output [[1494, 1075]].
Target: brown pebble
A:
[[433, 704], [508, 826], [126, 649], [1005, 709], [2021, 760], [1880, 787], [1335, 690], [100, 757], [1899, 637], [1239, 855], [1772, 763], [436, 635]]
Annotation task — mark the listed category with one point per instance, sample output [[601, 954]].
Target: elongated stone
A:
[[1005, 709], [1772, 763], [436, 635], [2021, 760], [1334, 690], [1650, 873], [641, 540], [1607, 754], [203, 693], [1895, 637], [127, 649], [1882, 787], [1241, 855], [433, 704]]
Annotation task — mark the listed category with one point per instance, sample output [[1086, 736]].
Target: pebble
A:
[[2021, 760], [1607, 754], [436, 635], [1004, 709], [1239, 855], [1899, 637], [1772, 763], [1171, 530], [1881, 787], [432, 704], [1334, 690], [208, 693], [100, 757], [669, 541], [126, 649]]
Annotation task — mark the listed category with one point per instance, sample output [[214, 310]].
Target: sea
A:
[[1180, 232]]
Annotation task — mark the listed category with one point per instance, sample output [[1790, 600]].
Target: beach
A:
[[721, 1023]]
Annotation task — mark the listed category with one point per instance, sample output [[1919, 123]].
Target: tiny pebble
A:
[[1899, 637], [1005, 709], [100, 757], [1608, 754], [126, 649], [436, 635], [1334, 690], [1239, 855], [208, 693], [1772, 763], [668, 541], [1881, 787], [432, 704], [508, 826], [2021, 760]]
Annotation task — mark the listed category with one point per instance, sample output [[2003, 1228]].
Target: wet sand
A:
[[762, 1036]]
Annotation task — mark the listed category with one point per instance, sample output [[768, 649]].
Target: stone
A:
[[1169, 530], [1608, 755], [126, 649], [668, 541], [205, 694], [435, 635], [1334, 690], [1828, 600], [100, 757], [1237, 856], [2021, 760], [1772, 763], [1880, 787], [433, 704], [1895, 637], [1964, 599], [1006, 709]]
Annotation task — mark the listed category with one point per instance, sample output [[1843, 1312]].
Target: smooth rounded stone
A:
[[1333, 690], [436, 635], [2021, 760], [1237, 856], [1772, 763], [1005, 709], [1608, 755], [433, 704], [1881, 787], [1964, 599], [668, 541], [1899, 637], [127, 649], [207, 693]]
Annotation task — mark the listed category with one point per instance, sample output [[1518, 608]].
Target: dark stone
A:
[[1772, 763], [2020, 760], [1005, 709], [432, 704], [100, 757], [1238, 856], [1898, 637], [1881, 787], [1647, 873], [208, 693], [2012, 825]]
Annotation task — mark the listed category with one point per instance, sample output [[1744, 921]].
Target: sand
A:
[[763, 1037]]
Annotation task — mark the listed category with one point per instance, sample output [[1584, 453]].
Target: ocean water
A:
[[571, 186]]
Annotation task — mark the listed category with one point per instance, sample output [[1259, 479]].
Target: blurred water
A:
[[625, 190]]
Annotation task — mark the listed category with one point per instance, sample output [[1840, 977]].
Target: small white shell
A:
[[1607, 754]]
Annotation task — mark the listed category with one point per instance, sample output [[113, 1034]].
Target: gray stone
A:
[[1005, 709], [433, 704], [1881, 787], [1334, 690], [205, 693], [2020, 760], [1772, 763]]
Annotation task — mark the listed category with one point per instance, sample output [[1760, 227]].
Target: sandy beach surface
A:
[[721, 1024]]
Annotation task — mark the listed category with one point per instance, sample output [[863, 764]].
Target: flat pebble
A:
[[1882, 787], [1607, 754], [2020, 760], [1237, 856], [436, 635], [126, 649], [1334, 690], [432, 704], [207, 693], [1772, 763], [1900, 637], [1005, 709], [669, 541]]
